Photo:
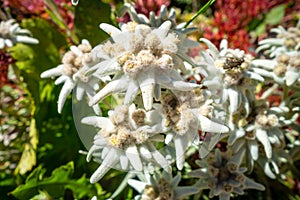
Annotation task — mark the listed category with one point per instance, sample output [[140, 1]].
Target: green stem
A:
[[56, 17], [204, 8]]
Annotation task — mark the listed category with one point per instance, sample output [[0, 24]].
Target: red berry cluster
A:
[[231, 20]]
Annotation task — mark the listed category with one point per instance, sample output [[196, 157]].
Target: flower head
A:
[[222, 174], [72, 72], [142, 59], [160, 186], [185, 117], [237, 74], [153, 20], [286, 41], [156, 21], [127, 139], [284, 69], [11, 33], [258, 133]]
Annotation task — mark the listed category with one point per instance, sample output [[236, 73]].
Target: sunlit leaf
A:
[[28, 158]]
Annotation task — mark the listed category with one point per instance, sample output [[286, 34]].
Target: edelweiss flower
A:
[[141, 59], [160, 186], [237, 74], [127, 139], [157, 21], [185, 118], [286, 41], [153, 20], [261, 128], [72, 71], [223, 175], [285, 69], [11, 33]]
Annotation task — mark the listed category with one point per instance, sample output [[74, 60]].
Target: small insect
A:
[[171, 101], [232, 63]]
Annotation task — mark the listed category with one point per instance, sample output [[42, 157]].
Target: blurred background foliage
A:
[[39, 156]]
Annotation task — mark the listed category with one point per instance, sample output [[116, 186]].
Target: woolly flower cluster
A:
[[223, 175], [146, 60], [158, 117], [126, 138], [143, 65]]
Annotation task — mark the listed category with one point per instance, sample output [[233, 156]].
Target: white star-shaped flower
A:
[[221, 173], [72, 72], [11, 33], [127, 139], [185, 117], [237, 72], [142, 59], [261, 128], [284, 69], [287, 40], [160, 186]]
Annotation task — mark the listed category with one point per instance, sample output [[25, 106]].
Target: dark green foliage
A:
[[88, 15], [56, 184]]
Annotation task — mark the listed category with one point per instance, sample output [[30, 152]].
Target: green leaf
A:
[[275, 15], [260, 29], [27, 190], [7, 182], [83, 188], [56, 184]]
